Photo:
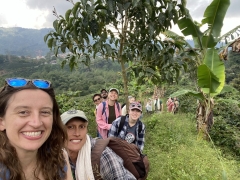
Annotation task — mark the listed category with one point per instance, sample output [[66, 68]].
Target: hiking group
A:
[[37, 142], [156, 105]]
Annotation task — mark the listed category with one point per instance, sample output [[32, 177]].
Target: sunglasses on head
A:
[[21, 82], [136, 105], [98, 99]]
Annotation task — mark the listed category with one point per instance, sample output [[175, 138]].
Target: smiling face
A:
[[134, 115], [113, 95], [77, 135], [104, 94], [97, 100], [28, 119]]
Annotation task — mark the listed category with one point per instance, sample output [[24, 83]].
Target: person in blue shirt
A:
[[133, 129], [32, 135]]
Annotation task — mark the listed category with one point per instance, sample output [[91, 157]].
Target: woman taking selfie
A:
[[31, 132]]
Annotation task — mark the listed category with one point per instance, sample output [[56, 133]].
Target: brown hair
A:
[[95, 96], [50, 158]]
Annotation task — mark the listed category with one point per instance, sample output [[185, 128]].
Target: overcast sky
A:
[[38, 13]]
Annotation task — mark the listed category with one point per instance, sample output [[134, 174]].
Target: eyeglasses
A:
[[21, 82], [98, 99]]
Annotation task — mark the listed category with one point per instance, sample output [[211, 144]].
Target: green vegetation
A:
[[175, 152], [171, 142], [172, 145]]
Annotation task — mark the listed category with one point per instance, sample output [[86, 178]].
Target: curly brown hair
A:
[[50, 157]]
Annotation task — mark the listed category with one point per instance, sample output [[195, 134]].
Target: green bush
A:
[[72, 100]]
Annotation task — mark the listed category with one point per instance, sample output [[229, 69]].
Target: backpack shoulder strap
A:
[[118, 106], [104, 107], [96, 153], [140, 127], [121, 124]]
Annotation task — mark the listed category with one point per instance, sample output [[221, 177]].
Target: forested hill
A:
[[26, 42], [23, 42]]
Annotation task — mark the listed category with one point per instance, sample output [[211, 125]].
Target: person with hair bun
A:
[[32, 135]]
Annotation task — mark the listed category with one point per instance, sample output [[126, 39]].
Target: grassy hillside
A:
[[175, 153]]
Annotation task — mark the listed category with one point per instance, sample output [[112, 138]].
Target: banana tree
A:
[[211, 70]]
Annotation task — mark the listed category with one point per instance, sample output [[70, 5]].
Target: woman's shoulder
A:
[[4, 172]]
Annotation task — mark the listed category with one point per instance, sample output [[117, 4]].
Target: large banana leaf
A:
[[207, 81], [196, 94], [188, 27], [214, 16], [216, 66]]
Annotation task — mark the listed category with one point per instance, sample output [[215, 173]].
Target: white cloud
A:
[[15, 13], [38, 13]]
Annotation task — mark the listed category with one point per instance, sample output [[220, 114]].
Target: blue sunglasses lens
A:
[[17, 82], [41, 83]]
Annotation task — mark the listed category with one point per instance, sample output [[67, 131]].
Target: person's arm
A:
[[111, 167], [99, 118], [69, 171], [173, 106]]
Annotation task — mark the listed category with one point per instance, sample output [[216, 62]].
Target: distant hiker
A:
[[170, 105], [80, 146], [149, 106], [97, 99], [176, 105], [107, 112], [104, 94], [131, 99], [158, 105], [129, 127]]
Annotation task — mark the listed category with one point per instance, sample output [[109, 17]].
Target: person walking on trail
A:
[[158, 105], [132, 130], [107, 112], [80, 146], [170, 105], [131, 99], [176, 105], [149, 106], [104, 94]]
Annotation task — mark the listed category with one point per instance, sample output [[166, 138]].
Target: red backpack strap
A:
[[96, 153]]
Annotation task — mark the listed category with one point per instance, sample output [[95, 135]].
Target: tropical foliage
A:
[[211, 70], [125, 31]]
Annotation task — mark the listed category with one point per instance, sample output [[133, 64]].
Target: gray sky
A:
[[38, 13]]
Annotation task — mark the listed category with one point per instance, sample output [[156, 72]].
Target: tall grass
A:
[[175, 153]]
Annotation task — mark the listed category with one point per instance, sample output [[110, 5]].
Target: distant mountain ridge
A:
[[23, 42], [27, 42]]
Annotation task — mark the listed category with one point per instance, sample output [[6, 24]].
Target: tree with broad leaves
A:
[[210, 70], [125, 31]]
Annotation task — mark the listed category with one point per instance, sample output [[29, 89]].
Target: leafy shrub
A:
[[71, 100]]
